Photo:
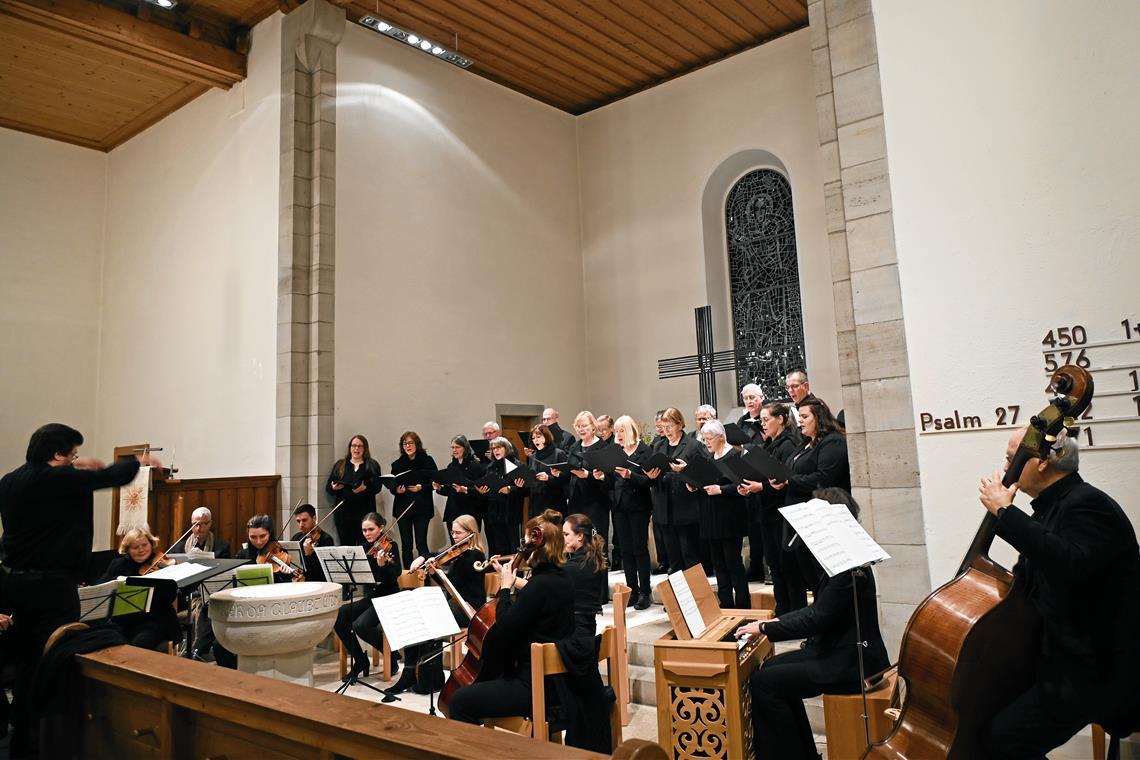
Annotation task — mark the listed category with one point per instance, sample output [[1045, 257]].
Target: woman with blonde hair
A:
[[136, 555], [632, 506], [589, 489]]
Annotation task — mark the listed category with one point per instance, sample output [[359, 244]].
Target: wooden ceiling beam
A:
[[148, 44]]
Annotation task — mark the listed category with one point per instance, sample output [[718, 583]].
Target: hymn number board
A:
[[1112, 421]]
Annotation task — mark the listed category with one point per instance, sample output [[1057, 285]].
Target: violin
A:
[[472, 667], [273, 554], [488, 565], [968, 649], [160, 561], [381, 549], [447, 555]]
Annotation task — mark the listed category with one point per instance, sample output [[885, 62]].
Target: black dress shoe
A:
[[359, 670], [661, 570], [632, 600], [643, 602]]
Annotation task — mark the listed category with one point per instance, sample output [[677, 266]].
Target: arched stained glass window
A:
[[767, 317]]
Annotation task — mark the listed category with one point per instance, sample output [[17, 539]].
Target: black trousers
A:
[[502, 537], [358, 619], [659, 544], [1028, 727], [632, 529], [417, 528], [499, 698], [39, 603], [757, 551], [787, 585], [683, 543], [731, 577], [780, 727]]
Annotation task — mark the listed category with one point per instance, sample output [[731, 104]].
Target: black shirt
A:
[[463, 503], [543, 612], [632, 494], [423, 505], [313, 570], [550, 494], [1080, 567], [48, 515]]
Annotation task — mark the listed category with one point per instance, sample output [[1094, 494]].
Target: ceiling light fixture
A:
[[164, 4], [397, 33]]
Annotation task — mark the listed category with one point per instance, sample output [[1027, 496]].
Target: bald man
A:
[[562, 439], [1079, 565]]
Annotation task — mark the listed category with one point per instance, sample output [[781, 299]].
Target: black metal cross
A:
[[705, 363]]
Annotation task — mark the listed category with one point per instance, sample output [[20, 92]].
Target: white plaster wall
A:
[[644, 163], [52, 198], [1011, 131], [189, 331], [459, 276]]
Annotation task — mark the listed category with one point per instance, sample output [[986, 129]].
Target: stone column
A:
[[306, 250], [873, 363]]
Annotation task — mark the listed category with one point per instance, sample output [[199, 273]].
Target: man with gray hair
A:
[[703, 413], [1079, 567], [202, 537], [491, 431]]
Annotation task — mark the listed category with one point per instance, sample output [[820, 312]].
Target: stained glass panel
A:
[[764, 274]]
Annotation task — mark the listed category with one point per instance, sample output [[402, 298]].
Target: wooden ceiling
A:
[[97, 72]]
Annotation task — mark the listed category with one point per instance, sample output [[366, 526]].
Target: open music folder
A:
[[415, 616], [833, 535]]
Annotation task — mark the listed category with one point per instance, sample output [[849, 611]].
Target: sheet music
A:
[[179, 571], [337, 561], [688, 603], [96, 599], [218, 583], [415, 616], [833, 535]]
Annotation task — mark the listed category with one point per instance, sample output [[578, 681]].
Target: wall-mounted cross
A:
[[705, 363]]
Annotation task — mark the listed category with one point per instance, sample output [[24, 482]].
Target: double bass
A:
[[969, 648], [474, 665]]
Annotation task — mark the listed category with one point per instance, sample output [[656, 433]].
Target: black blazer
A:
[[673, 503], [552, 493], [828, 624], [632, 494], [587, 495], [726, 515], [464, 503], [424, 506], [821, 465]]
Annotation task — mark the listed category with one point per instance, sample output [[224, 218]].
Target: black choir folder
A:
[[607, 458], [700, 472], [736, 435], [480, 446]]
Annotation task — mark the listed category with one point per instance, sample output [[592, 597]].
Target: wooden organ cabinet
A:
[[704, 707]]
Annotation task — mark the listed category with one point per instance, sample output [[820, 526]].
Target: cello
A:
[[474, 665], [968, 649]]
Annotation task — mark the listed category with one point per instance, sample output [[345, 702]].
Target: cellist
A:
[[1080, 566], [542, 611]]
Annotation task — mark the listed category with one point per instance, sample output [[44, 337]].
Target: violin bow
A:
[[292, 513], [330, 514], [160, 555]]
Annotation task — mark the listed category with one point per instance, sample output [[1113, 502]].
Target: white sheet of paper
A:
[[179, 571], [415, 616], [217, 583], [92, 597], [688, 602], [833, 535], [509, 466]]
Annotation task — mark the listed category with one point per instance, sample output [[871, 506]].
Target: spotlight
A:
[[164, 4], [395, 33]]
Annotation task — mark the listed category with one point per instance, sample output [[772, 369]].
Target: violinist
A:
[[542, 611], [354, 480], [264, 550], [461, 499], [310, 536], [550, 491], [359, 618], [202, 537], [468, 582], [137, 556], [1079, 565], [826, 664], [416, 495]]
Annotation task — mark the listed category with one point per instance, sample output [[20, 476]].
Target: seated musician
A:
[[1079, 563], [469, 583], [261, 549], [310, 536], [586, 566], [542, 611], [202, 537], [827, 663], [359, 618], [137, 555]]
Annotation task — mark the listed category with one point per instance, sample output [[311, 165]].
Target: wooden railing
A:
[[138, 703]]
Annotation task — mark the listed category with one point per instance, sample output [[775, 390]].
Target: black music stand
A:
[[342, 564]]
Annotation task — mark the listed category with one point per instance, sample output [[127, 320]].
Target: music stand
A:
[[348, 566]]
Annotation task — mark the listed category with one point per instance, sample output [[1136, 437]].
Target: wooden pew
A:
[[137, 703]]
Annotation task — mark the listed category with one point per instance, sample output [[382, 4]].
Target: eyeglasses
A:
[[791, 386]]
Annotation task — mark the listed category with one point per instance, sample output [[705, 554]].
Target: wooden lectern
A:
[[704, 707]]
